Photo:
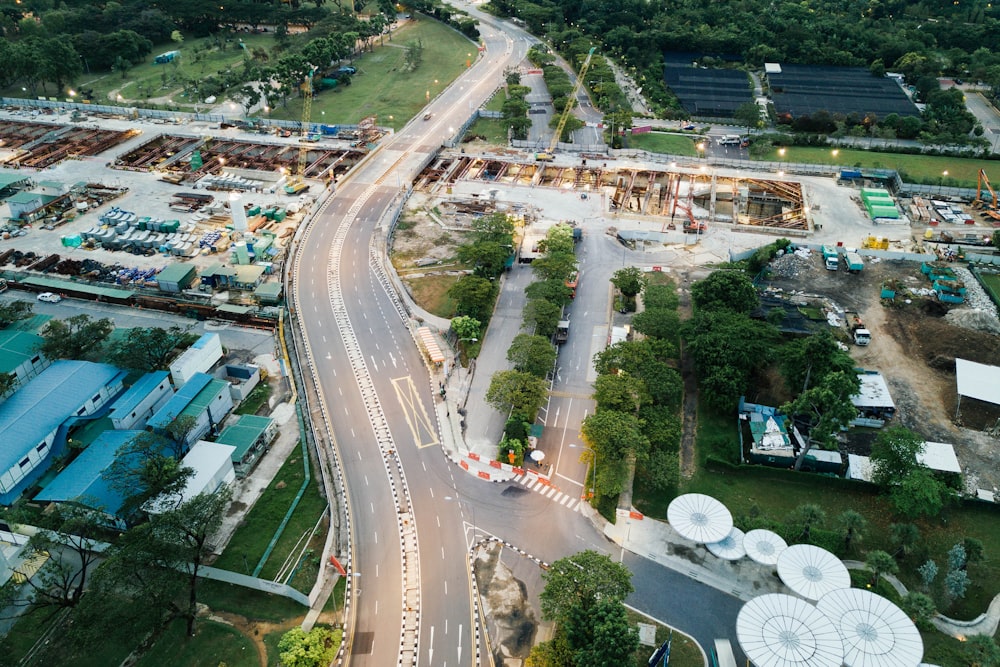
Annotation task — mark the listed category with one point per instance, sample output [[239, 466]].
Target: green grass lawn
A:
[[992, 283], [496, 102], [962, 172], [491, 129], [251, 539], [213, 644], [258, 397], [200, 58], [253, 604], [31, 626], [658, 142], [684, 651], [382, 88]]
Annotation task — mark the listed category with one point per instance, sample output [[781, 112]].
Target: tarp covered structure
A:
[[801, 90]]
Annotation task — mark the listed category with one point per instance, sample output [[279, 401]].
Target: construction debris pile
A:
[[975, 296]]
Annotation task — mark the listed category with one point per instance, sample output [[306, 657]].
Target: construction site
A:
[[691, 199], [39, 145]]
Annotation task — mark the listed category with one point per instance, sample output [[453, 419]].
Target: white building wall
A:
[[147, 407], [198, 358]]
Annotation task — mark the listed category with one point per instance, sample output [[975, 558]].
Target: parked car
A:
[[427, 116], [688, 127], [49, 297]]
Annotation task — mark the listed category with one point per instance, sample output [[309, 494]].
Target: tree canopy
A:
[[532, 354], [580, 581], [14, 311], [724, 290], [147, 349], [74, 338], [518, 392]]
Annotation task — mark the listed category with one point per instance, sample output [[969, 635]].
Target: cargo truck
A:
[[853, 262], [862, 336], [830, 258], [562, 332]]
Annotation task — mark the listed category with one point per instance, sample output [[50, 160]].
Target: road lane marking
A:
[[420, 423]]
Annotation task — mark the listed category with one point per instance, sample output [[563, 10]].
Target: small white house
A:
[[213, 469], [141, 401]]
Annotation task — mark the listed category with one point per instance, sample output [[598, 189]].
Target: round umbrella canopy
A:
[[876, 632], [764, 546], [730, 547], [778, 630], [699, 518], [537, 455], [812, 572]]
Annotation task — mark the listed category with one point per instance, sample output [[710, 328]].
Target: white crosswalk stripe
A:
[[534, 483]]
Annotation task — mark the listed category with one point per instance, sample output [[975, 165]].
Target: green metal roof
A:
[[271, 289], [31, 324], [28, 197], [9, 178], [244, 433], [204, 398], [55, 285], [16, 347], [175, 273]]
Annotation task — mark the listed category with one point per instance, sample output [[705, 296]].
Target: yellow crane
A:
[[297, 183], [547, 155]]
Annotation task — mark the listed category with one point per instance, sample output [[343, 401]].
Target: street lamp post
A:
[[593, 467]]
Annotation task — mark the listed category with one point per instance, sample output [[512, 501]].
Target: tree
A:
[[69, 550], [748, 115], [727, 347], [725, 290], [621, 392], [247, 96], [928, 572], [657, 322], [806, 361], [317, 647], [975, 552], [894, 455], [532, 354], [852, 527], [920, 493], [555, 652], [629, 280], [554, 291], [147, 349], [616, 437], [905, 537], [957, 558], [662, 471], [827, 407], [487, 257], [497, 227], [473, 296], [517, 392], [558, 240], [879, 562], [144, 468], [74, 338], [465, 327], [554, 266], [956, 583], [982, 651], [920, 608], [579, 581], [602, 635], [805, 517], [14, 311], [541, 317]]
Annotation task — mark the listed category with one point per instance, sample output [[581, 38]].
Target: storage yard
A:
[[39, 145]]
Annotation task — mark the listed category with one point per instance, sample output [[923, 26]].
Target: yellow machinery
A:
[[297, 183], [570, 103], [984, 180], [875, 243]]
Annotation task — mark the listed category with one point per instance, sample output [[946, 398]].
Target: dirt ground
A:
[[914, 347]]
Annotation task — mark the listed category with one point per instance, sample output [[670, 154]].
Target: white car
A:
[[49, 297]]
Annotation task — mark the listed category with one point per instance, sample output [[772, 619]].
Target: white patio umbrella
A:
[[730, 547], [777, 630], [876, 632], [812, 572], [764, 546], [699, 518]]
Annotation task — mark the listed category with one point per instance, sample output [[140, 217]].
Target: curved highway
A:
[[378, 402]]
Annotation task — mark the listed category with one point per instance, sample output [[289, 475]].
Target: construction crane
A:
[[297, 183], [984, 180], [547, 156]]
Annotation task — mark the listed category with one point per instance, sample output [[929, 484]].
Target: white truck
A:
[[862, 336]]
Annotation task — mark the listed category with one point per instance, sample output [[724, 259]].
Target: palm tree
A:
[[905, 537], [852, 527], [807, 515], [880, 562]]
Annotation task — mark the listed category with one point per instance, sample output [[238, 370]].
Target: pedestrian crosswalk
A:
[[535, 483]]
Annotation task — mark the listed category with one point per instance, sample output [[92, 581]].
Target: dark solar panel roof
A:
[[801, 90], [708, 92]]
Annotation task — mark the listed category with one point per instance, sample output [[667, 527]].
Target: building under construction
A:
[[39, 145], [675, 199], [189, 158]]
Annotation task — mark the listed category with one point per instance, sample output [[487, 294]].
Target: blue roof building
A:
[[202, 397], [141, 401], [35, 420], [81, 482]]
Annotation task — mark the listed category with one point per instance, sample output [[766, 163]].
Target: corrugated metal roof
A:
[[175, 406], [204, 398], [243, 433], [16, 347], [57, 285], [44, 403], [82, 481], [137, 392]]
